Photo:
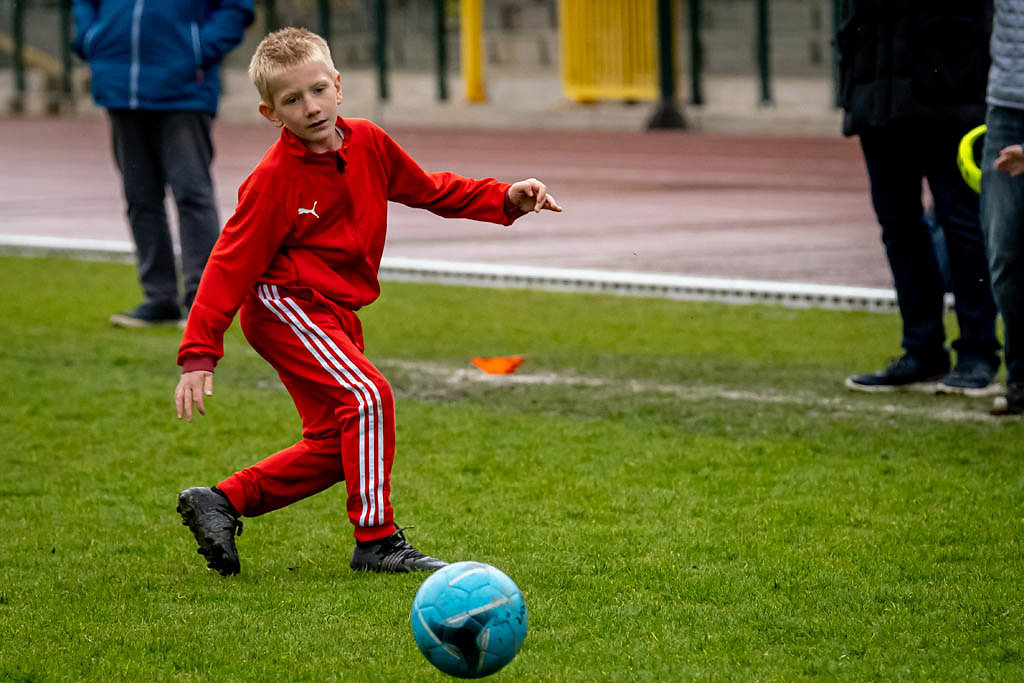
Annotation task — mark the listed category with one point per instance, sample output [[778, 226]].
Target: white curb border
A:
[[793, 294]]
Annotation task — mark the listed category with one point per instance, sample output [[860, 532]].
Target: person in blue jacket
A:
[[155, 68]]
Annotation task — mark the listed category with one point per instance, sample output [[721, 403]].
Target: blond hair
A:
[[283, 50]]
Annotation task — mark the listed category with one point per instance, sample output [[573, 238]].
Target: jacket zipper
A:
[[197, 52], [89, 35], [133, 101]]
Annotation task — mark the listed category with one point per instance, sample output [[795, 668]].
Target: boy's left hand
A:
[[191, 388], [532, 195]]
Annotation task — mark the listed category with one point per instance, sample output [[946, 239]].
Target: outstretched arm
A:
[[1011, 160], [532, 195], [191, 388], [454, 196]]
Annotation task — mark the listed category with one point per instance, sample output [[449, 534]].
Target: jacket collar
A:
[[294, 146]]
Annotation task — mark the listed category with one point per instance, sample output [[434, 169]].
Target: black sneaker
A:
[[393, 555], [1012, 403], [906, 373], [148, 314], [970, 378], [214, 523]]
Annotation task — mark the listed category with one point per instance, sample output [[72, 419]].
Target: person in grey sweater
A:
[[1002, 192]]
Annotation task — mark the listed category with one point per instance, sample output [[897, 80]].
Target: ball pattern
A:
[[469, 619]]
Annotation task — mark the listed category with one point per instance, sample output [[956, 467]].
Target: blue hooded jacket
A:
[[158, 54]]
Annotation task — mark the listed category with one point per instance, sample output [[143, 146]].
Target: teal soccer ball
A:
[[469, 619]]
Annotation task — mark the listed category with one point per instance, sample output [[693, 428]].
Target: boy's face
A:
[[305, 101]]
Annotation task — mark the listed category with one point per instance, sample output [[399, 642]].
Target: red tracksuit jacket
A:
[[317, 222]]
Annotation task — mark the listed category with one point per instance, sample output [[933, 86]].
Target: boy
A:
[[299, 256]]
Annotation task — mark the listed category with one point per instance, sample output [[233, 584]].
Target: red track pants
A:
[[346, 406]]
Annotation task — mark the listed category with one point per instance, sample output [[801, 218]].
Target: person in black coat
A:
[[912, 77]]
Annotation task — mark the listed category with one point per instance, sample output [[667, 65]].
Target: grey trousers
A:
[[153, 150], [1002, 218]]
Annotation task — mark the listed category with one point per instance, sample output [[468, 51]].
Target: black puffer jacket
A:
[[913, 61]]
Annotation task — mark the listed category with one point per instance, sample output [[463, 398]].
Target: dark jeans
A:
[[154, 149], [897, 160], [1002, 213]]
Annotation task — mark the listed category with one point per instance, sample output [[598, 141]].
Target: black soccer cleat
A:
[[393, 555], [214, 523]]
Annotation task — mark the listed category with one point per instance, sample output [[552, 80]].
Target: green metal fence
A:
[[715, 36]]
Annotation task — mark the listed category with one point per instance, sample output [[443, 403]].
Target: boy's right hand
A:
[[191, 388], [532, 195]]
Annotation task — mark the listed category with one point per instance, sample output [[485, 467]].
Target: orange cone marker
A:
[[499, 365]]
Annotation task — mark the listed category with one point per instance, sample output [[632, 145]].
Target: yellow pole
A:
[[472, 38]]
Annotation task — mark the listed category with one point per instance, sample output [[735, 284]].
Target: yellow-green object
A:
[[472, 42], [965, 158], [609, 49]]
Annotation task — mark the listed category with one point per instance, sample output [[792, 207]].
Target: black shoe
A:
[[906, 373], [213, 522], [149, 313], [1012, 403], [971, 378], [393, 555]]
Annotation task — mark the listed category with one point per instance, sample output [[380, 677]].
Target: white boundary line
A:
[[841, 402], [659, 285], [793, 294], [41, 245]]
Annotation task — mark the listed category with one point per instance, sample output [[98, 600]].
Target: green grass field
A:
[[682, 491]]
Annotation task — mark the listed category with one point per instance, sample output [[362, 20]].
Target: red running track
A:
[[791, 209]]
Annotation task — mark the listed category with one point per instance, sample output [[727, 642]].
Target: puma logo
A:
[[312, 211]]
